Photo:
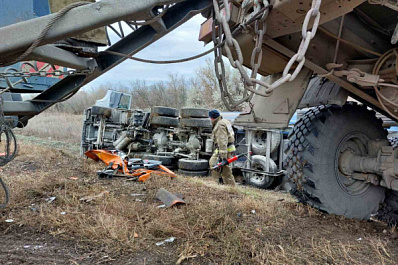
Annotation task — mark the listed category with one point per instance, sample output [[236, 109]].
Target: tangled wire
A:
[[8, 145]]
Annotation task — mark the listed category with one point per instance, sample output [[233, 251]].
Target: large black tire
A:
[[260, 181], [193, 165], [202, 173], [166, 160], [164, 111], [393, 142], [194, 113], [312, 160], [196, 122], [164, 121], [388, 211]]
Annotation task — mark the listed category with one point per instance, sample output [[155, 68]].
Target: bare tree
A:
[[202, 90], [206, 85]]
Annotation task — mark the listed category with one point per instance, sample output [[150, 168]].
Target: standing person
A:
[[223, 137]]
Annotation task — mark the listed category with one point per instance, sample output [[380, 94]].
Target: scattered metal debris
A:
[[33, 208], [51, 199], [33, 247], [168, 198], [168, 240]]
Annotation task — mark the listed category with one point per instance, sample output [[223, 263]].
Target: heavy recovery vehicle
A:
[[308, 53]]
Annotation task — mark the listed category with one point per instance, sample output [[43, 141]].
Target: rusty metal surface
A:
[[288, 15], [168, 198]]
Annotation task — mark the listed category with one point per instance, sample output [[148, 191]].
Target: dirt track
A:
[[21, 245], [218, 226]]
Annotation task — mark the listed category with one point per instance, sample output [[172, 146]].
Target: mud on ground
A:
[[218, 225]]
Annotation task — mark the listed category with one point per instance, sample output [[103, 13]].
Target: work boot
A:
[[227, 176], [216, 175]]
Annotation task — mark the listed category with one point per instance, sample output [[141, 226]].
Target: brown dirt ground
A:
[[217, 226]]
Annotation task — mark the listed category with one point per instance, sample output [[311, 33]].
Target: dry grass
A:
[[55, 126], [217, 225]]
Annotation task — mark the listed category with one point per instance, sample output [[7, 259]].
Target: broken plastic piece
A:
[[138, 169]]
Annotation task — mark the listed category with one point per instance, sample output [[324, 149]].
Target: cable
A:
[[383, 58], [11, 149], [357, 47], [6, 194], [163, 62]]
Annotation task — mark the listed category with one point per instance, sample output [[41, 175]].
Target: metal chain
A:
[[217, 33], [12, 73], [44, 73], [234, 53]]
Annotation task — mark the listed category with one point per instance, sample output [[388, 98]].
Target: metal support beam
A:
[[15, 108], [16, 38], [356, 93], [268, 152], [57, 56], [131, 44], [319, 70]]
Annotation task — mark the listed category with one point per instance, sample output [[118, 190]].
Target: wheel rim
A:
[[355, 142], [260, 139], [259, 179]]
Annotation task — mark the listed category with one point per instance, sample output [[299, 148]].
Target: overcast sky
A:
[[180, 43]]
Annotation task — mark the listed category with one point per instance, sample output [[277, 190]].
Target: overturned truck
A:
[[179, 139], [156, 135]]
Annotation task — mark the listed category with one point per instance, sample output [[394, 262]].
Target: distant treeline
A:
[[178, 91]]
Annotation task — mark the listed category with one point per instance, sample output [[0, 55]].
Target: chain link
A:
[[44, 73], [234, 52], [226, 96], [24, 75]]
